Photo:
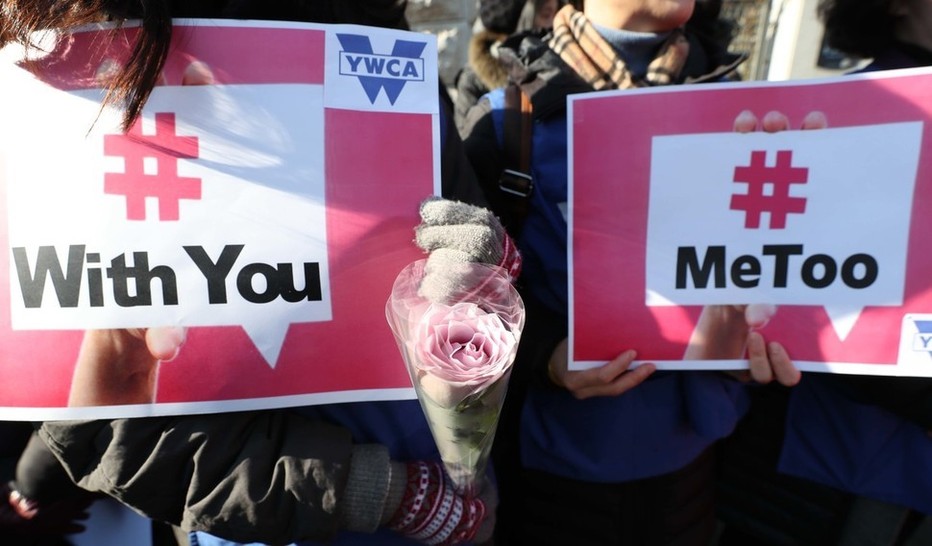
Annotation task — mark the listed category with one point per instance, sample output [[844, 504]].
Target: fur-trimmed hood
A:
[[483, 58]]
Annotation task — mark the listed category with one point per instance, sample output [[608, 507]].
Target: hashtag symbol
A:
[[779, 178], [164, 149]]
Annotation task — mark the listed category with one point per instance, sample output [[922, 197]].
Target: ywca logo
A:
[[380, 71], [768, 189], [922, 340]]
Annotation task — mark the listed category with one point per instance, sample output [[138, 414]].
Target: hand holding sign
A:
[[611, 379], [825, 224], [728, 331], [774, 122], [121, 366]]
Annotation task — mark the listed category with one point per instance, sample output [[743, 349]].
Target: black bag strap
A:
[[516, 182]]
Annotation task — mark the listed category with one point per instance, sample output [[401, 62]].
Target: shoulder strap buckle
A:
[[516, 183]]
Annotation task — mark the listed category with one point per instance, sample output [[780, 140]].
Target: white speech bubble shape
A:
[[268, 340], [850, 225], [257, 217], [843, 318]]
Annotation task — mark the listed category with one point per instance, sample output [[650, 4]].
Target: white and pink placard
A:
[[671, 211], [266, 207]]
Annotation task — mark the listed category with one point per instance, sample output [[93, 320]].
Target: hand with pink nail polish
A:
[[121, 366]]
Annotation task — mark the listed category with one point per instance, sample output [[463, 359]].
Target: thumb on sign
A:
[[121, 366]]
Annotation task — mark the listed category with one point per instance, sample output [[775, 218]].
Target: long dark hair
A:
[[133, 83]]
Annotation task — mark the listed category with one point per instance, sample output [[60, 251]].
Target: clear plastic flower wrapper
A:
[[459, 345]]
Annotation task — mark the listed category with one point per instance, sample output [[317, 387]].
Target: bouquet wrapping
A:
[[458, 349]]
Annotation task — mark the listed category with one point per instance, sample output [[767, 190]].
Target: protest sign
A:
[[827, 226], [266, 212]]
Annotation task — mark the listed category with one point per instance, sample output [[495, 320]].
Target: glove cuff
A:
[[367, 488], [511, 257]]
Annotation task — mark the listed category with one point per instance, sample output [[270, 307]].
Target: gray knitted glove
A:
[[455, 233]]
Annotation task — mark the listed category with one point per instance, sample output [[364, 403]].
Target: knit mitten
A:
[[432, 512]]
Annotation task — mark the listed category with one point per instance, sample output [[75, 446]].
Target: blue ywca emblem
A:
[[377, 71], [922, 341]]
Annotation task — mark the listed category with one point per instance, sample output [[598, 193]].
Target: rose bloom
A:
[[460, 350]]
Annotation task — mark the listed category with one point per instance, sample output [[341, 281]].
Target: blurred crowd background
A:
[[783, 39]]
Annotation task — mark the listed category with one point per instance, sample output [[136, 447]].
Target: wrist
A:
[[398, 481], [368, 489], [511, 257]]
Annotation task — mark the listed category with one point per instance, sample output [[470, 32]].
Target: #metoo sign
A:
[[826, 226], [793, 225], [262, 201]]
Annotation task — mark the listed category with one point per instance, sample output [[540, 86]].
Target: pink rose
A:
[[460, 350], [459, 358]]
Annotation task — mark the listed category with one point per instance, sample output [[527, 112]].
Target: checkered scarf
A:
[[581, 47]]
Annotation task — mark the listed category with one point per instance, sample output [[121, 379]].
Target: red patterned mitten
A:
[[432, 512]]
